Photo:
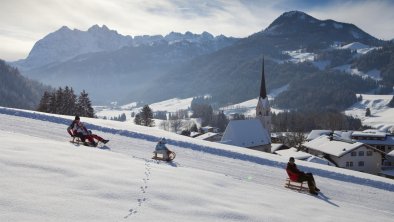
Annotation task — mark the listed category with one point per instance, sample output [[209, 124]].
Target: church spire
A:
[[263, 91]]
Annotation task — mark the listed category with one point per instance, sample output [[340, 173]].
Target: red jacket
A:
[[293, 171]]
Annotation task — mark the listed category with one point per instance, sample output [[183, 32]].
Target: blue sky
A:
[[24, 22]]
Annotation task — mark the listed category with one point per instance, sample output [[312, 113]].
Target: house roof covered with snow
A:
[[245, 133], [292, 152], [277, 146], [332, 147], [388, 141], [369, 133], [339, 135], [316, 133], [206, 136]]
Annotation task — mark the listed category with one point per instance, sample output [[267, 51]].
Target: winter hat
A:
[[76, 117]]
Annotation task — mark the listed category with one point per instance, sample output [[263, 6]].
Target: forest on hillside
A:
[[16, 91]]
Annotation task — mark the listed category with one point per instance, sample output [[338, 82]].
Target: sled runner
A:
[[294, 185], [77, 141], [159, 156]]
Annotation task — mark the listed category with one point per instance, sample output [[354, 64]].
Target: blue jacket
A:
[[161, 146]]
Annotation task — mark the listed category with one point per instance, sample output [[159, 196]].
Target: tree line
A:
[[65, 102], [306, 121]]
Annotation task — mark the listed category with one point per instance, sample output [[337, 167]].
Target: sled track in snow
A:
[[200, 148]]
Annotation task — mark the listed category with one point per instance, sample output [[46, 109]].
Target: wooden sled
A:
[[294, 185], [77, 141], [159, 156]]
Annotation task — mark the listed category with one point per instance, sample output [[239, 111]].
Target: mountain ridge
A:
[[160, 67]]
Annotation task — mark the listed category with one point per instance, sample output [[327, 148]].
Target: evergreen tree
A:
[[58, 107], [84, 106], [122, 117], [194, 128], [220, 121], [367, 112], [44, 104], [52, 103], [69, 101], [137, 119], [391, 103], [146, 115]]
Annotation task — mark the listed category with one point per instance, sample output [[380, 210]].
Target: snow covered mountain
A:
[[315, 33], [65, 44], [102, 57], [45, 178]]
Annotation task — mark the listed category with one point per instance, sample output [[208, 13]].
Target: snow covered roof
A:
[[206, 135], [390, 155], [292, 152], [339, 135], [332, 147], [316, 133], [315, 159], [276, 146], [369, 133], [388, 141], [245, 133], [387, 172]]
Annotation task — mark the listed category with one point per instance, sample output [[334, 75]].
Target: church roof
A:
[[246, 133]]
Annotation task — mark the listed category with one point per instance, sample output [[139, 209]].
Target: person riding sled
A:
[[299, 176], [78, 129], [161, 148]]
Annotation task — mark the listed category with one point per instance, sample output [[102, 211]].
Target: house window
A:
[[361, 163], [354, 153], [389, 147], [369, 153], [349, 164], [361, 153]]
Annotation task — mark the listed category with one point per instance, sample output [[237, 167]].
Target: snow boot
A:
[[105, 141]]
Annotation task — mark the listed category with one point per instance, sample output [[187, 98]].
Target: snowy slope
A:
[[45, 178], [382, 116], [170, 105], [360, 48]]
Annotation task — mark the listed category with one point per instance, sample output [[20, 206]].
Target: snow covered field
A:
[[46, 178], [382, 116]]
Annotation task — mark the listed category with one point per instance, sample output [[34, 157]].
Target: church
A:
[[252, 133]]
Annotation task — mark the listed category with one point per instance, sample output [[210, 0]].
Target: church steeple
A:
[[263, 111], [263, 91]]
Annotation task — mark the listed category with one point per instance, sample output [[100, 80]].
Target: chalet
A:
[[379, 140], [349, 155], [252, 133]]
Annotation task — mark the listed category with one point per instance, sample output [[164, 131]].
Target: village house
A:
[[379, 140], [350, 155]]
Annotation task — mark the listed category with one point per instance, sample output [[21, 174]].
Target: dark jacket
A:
[[293, 172]]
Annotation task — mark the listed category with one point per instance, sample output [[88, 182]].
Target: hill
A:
[[45, 178], [18, 91]]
